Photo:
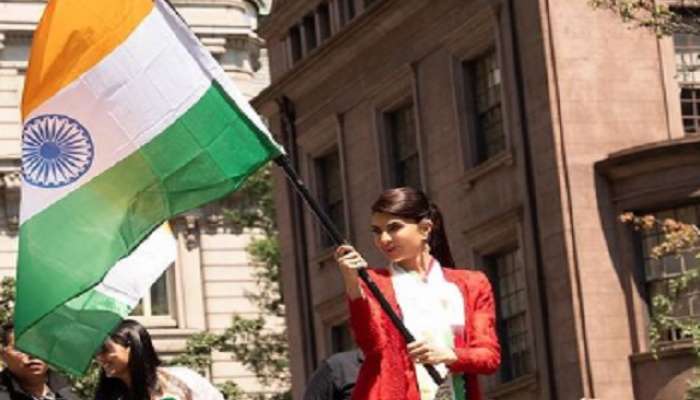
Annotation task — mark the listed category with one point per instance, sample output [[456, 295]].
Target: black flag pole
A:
[[327, 224]]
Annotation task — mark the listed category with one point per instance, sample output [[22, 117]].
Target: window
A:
[[156, 308], [295, 47], [483, 79], [309, 23], [508, 278], [330, 192], [657, 272], [346, 10], [402, 147], [687, 48], [341, 338], [690, 110], [324, 21], [368, 3]]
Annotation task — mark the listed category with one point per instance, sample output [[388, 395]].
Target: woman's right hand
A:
[[349, 261]]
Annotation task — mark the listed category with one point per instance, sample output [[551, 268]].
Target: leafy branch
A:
[[662, 19]]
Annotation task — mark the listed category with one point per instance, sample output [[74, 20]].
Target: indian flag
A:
[[128, 121]]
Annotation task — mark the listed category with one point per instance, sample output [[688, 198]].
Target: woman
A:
[[131, 371], [449, 311]]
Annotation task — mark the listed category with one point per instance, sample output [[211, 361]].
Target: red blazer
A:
[[387, 372]]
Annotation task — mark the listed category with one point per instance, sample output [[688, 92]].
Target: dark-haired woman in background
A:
[[449, 311], [131, 371]]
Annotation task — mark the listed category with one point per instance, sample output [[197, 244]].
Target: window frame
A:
[[320, 138], [641, 266], [391, 144], [295, 44], [492, 32], [319, 185], [161, 321], [478, 140], [390, 95], [682, 54], [497, 235], [506, 370]]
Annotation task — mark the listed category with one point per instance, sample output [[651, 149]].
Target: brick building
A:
[[533, 124]]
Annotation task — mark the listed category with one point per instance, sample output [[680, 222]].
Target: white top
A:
[[200, 388], [433, 310]]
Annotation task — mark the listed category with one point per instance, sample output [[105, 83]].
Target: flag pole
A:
[[327, 224], [337, 237]]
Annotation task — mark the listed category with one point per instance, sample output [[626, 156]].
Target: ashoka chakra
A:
[[56, 151]]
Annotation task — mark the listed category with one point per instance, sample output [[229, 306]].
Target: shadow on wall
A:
[[647, 178]]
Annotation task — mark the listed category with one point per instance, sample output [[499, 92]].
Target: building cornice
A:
[[651, 157], [283, 15], [350, 34]]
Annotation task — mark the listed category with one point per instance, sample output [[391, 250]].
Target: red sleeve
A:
[[365, 322], [482, 353]]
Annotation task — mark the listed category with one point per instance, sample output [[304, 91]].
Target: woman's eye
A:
[[393, 227]]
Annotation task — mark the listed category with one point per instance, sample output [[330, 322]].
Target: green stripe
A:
[[458, 387], [67, 248], [68, 336]]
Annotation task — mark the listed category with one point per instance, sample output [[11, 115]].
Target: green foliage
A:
[[265, 251], [7, 298], [655, 16], [250, 341], [85, 385], [678, 239], [197, 354], [254, 204], [262, 350]]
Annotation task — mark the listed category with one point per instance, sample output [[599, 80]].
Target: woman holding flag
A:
[[130, 370], [450, 311]]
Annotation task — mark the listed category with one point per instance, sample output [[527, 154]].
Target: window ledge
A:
[[156, 322], [168, 333], [169, 341], [494, 163], [678, 348], [524, 383]]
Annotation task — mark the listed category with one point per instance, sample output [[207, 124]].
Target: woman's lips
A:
[[389, 250]]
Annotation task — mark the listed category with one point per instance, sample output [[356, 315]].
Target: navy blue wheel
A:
[[56, 151]]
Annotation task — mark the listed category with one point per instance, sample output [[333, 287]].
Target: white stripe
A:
[[208, 63], [126, 100], [131, 277]]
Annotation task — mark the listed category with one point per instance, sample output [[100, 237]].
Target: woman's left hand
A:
[[424, 352]]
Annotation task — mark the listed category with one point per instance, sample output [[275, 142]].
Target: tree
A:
[[662, 19], [255, 344], [679, 239], [251, 341]]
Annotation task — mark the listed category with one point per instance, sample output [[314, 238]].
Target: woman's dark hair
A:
[[143, 364], [413, 204]]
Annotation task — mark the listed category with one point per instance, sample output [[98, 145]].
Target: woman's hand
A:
[[424, 352], [349, 261]]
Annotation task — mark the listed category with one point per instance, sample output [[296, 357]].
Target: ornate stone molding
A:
[[10, 184], [189, 224], [215, 44]]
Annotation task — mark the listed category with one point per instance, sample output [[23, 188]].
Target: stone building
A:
[[533, 124], [213, 273]]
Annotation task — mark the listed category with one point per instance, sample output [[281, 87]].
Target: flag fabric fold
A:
[[128, 121]]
